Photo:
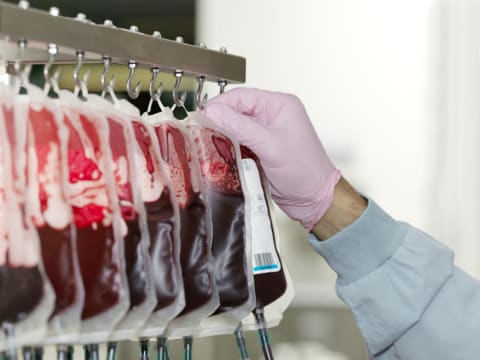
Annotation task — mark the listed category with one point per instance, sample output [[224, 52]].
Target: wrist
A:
[[346, 207]]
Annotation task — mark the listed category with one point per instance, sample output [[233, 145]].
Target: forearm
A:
[[391, 275], [346, 207]]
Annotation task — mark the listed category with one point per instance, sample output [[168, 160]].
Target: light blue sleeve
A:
[[409, 300]]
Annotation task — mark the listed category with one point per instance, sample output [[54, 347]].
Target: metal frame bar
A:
[[40, 28]]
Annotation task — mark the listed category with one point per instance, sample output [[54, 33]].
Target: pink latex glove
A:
[[277, 128]]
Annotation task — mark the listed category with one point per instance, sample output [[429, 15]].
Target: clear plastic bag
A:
[[29, 299], [164, 227], [222, 173], [134, 230], [201, 295], [45, 145], [273, 285], [92, 195]]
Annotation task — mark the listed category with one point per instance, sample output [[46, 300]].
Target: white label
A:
[[264, 256]]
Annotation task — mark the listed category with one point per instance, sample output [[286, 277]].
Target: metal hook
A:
[[132, 93], [179, 101], [22, 44], [222, 84], [103, 79], [81, 85], [76, 72], [155, 94], [108, 87], [198, 98], [49, 80], [20, 75]]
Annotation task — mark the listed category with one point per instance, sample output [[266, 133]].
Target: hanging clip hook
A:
[[155, 94], [20, 74], [22, 44], [136, 92], [80, 84], [51, 81], [179, 101], [108, 87], [76, 72], [103, 79], [222, 84], [198, 97]]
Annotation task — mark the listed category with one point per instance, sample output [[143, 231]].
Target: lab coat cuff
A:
[[363, 246]]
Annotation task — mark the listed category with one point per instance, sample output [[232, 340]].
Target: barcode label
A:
[[265, 259]]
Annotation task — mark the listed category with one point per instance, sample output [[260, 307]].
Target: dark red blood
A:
[[57, 254], [56, 244], [227, 205], [228, 248], [21, 289], [135, 263], [161, 228], [134, 257], [194, 254], [100, 270], [268, 286]]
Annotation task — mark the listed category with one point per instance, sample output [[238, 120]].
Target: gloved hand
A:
[[276, 127]]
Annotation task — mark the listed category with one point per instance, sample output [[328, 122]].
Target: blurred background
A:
[[393, 88]]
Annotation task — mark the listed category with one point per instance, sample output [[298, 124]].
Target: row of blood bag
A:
[[116, 225]]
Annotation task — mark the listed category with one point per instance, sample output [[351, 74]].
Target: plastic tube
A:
[[62, 352], [111, 350], [27, 353], [38, 353], [263, 333], [162, 353], [70, 352], [187, 347], [242, 346], [94, 352], [144, 354], [10, 352], [91, 352], [86, 351]]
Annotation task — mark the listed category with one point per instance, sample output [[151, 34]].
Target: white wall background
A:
[[392, 88], [363, 70], [457, 189]]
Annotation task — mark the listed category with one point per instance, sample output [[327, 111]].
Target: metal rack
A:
[[40, 28]]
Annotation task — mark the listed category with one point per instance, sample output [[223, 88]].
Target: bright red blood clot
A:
[[96, 244]]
